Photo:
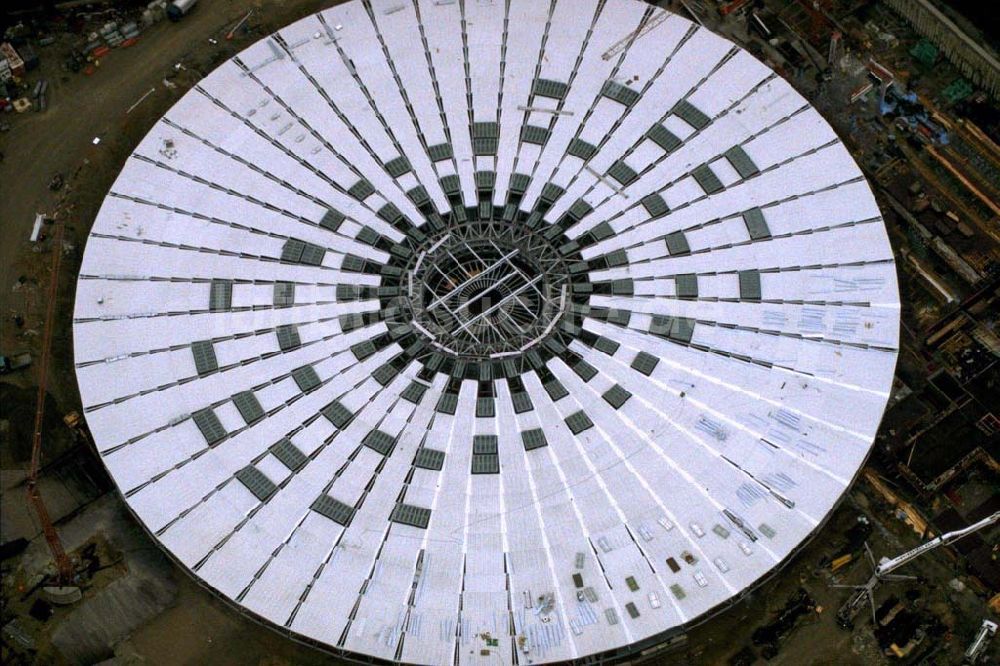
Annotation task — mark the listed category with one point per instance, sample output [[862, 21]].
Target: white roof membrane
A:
[[559, 408]]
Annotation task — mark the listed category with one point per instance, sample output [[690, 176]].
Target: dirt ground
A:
[[60, 140], [198, 628]]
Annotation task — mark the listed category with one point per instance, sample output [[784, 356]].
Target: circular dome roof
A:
[[434, 330]]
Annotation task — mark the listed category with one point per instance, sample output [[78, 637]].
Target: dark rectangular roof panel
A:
[[255, 481], [220, 295], [707, 179], [484, 146], [367, 235], [390, 213], [645, 363], [485, 180], [663, 137], [414, 392], [289, 454], [620, 93], [555, 389], [312, 255], [687, 285], [584, 370], [408, 514], [447, 403], [353, 292], [429, 459], [756, 225], [750, 285], [741, 162], [533, 439], [579, 210], [489, 129], [361, 190], [616, 396], [623, 173], [578, 422], [352, 263], [521, 402], [485, 408], [691, 114], [363, 349], [209, 425], [335, 510], [551, 192], [205, 361], [440, 151], [655, 205], [451, 185], [535, 134], [380, 441], [306, 378], [485, 463], [332, 219], [248, 405], [616, 258], [351, 321], [288, 337], [519, 183], [337, 414], [284, 294], [606, 345], [385, 373], [291, 251], [484, 444], [622, 287], [677, 243], [398, 166], [678, 329], [582, 149], [549, 88]]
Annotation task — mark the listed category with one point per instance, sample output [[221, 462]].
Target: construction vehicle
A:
[[979, 644], [865, 594], [15, 362], [78, 427]]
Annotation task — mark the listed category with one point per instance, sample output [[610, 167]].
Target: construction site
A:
[[900, 566]]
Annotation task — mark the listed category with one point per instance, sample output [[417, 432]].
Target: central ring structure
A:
[[487, 290]]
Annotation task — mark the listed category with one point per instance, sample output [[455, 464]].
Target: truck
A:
[[16, 362]]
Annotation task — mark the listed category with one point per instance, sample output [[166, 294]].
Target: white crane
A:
[[979, 644], [883, 570]]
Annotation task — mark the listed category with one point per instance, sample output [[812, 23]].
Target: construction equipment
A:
[[979, 644], [239, 24], [14, 363], [64, 568], [633, 36], [883, 570], [730, 7]]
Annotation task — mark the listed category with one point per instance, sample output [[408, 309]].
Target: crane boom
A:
[[64, 567], [887, 565], [643, 28], [883, 570]]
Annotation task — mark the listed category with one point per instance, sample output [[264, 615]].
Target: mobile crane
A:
[[883, 570], [980, 643]]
